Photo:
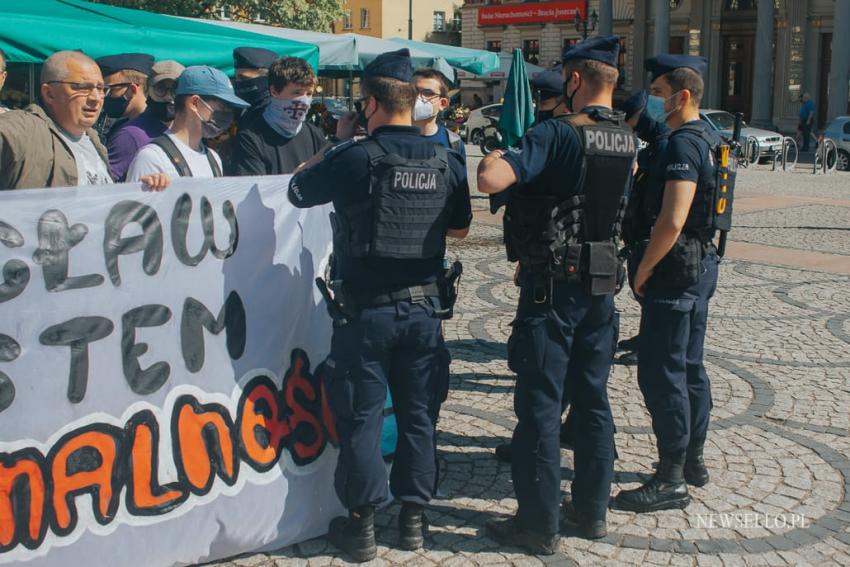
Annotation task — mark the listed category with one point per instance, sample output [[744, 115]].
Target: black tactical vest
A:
[[406, 215], [712, 206], [578, 236]]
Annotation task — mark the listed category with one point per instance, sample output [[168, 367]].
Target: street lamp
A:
[[587, 25], [410, 19]]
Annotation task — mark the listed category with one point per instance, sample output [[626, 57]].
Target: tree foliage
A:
[[314, 15]]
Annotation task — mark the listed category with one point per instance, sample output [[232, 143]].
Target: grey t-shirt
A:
[[91, 169]]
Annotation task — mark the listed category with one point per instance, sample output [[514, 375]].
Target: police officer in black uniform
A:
[[572, 176], [645, 197], [675, 281], [396, 197], [548, 86]]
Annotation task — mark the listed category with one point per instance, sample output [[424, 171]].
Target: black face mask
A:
[[545, 115], [568, 98], [115, 106], [252, 91], [162, 111], [362, 120]]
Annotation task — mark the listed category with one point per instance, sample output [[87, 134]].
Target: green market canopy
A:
[[475, 61], [32, 30]]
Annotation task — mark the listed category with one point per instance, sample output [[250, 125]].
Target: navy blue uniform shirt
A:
[[442, 137], [547, 159], [342, 177], [688, 156]]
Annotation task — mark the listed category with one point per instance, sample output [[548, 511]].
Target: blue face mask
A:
[[655, 108]]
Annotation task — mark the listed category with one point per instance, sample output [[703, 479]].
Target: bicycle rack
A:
[[788, 144], [825, 150]]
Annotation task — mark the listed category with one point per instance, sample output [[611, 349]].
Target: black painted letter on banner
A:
[[150, 241], [77, 334]]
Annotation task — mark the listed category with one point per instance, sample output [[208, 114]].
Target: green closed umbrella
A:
[[517, 110]]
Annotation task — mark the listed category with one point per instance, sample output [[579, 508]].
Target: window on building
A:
[[346, 20], [621, 63], [531, 51], [494, 45], [456, 21], [570, 42], [224, 13], [364, 18], [736, 5], [439, 21]]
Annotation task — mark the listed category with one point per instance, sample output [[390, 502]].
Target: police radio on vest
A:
[[609, 141], [415, 181]]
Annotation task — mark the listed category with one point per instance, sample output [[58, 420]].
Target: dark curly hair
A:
[[291, 70]]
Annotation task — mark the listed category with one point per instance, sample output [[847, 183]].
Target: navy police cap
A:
[[391, 65], [603, 48], [253, 58], [634, 104], [550, 83], [110, 64], [663, 64]]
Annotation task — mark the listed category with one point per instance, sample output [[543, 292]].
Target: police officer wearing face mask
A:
[[205, 106], [278, 140], [548, 87], [396, 197], [675, 280], [251, 70], [645, 198], [573, 175], [126, 77], [150, 124]]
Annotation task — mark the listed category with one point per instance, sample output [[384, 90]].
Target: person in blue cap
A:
[[396, 197], [675, 280], [572, 177], [205, 106], [645, 197]]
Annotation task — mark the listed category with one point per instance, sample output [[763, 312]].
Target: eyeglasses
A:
[[428, 94], [115, 86], [88, 88]]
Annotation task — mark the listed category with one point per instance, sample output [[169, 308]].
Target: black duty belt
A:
[[416, 294]]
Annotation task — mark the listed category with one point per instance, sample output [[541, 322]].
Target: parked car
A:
[[839, 132], [769, 142], [479, 119]]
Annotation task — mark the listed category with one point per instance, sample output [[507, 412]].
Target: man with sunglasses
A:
[[151, 124], [396, 197], [54, 145], [126, 75], [204, 108]]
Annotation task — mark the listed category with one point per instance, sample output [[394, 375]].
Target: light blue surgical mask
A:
[[655, 107], [665, 116]]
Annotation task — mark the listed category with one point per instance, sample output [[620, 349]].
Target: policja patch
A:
[[414, 180]]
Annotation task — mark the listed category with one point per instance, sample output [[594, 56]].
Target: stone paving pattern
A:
[[778, 353]]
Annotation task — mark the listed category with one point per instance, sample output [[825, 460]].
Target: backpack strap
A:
[[167, 145], [374, 150], [216, 170]]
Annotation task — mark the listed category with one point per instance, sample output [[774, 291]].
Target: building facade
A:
[[763, 54], [436, 21]]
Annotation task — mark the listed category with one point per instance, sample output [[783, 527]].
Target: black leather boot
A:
[[510, 532], [590, 529], [355, 535], [664, 491], [412, 526], [696, 473]]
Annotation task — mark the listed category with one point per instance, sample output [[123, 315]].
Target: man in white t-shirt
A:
[[205, 106]]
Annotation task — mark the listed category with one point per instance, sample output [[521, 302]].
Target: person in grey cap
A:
[[205, 106], [152, 123], [126, 75], [396, 197]]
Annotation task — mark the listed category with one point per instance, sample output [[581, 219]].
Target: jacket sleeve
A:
[[10, 149]]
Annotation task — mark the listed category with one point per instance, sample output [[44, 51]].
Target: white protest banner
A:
[[160, 373]]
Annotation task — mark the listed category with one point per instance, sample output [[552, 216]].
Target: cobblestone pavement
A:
[[778, 450]]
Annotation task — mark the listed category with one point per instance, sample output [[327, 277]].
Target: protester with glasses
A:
[[150, 124], [432, 99], [54, 145], [204, 108], [126, 75]]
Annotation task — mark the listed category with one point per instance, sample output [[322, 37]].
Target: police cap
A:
[[110, 64], [253, 58], [550, 83], [634, 104], [663, 64], [392, 65], [603, 48]]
